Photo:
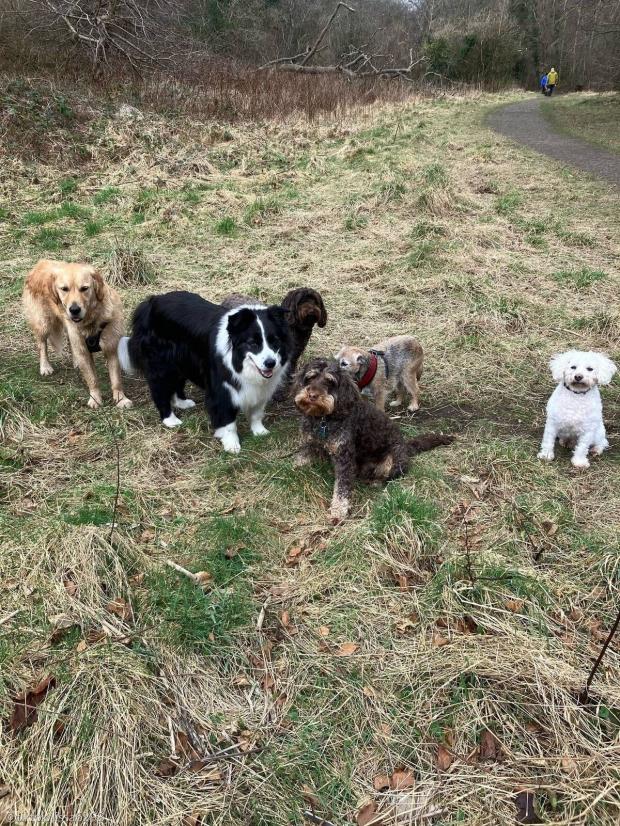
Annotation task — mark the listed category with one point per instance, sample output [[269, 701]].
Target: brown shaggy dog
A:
[[358, 438], [73, 299], [305, 308]]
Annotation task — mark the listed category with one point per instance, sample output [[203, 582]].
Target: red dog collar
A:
[[370, 372]]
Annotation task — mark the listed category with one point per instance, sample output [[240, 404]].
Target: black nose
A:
[[74, 309], [578, 377], [270, 364]]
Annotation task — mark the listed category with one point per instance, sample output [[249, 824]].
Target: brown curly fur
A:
[[359, 439], [306, 309]]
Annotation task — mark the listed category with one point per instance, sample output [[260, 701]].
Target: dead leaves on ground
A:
[[526, 813], [25, 708]]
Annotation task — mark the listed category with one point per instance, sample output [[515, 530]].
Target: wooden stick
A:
[[8, 617], [584, 696]]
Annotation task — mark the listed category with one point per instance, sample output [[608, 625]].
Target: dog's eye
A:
[[308, 377], [83, 289], [65, 289], [589, 369], [573, 367]]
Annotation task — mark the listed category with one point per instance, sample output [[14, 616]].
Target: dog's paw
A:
[[596, 450], [231, 444], [124, 403], [259, 429], [547, 455], [413, 407], [182, 404], [171, 421], [579, 463], [94, 401], [339, 510], [46, 370], [396, 402]]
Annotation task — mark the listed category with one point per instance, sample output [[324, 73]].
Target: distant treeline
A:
[[493, 43]]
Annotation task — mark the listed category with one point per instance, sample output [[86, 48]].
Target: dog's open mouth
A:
[[265, 373]]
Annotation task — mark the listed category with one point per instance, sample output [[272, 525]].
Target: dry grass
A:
[[470, 597]]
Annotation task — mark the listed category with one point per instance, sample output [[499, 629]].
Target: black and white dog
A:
[[237, 356]]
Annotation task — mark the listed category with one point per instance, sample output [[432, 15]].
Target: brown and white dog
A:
[[392, 366], [73, 299]]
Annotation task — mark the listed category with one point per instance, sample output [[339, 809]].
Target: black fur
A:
[[174, 340]]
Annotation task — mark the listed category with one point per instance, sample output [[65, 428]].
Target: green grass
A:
[[227, 226], [48, 238], [107, 195], [592, 118], [508, 203], [92, 228], [581, 278]]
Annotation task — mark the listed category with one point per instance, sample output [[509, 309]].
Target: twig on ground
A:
[[585, 694]]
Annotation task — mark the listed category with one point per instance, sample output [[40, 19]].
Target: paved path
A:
[[524, 123]]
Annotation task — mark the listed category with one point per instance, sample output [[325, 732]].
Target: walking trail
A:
[[524, 123]]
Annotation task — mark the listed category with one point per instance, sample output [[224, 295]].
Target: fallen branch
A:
[[324, 30], [585, 694]]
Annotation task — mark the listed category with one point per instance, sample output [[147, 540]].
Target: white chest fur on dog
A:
[[575, 409]]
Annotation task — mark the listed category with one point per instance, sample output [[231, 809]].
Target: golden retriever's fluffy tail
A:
[[124, 357]]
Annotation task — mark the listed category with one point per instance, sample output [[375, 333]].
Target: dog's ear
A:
[[99, 284], [557, 365], [605, 368], [240, 321], [319, 300], [348, 393], [278, 313]]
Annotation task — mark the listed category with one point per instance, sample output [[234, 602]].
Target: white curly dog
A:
[[575, 410]]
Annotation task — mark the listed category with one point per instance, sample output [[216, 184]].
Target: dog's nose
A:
[[578, 377], [312, 395], [343, 363], [270, 363], [75, 309]]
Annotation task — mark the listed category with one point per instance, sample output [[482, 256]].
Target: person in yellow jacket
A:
[[552, 79]]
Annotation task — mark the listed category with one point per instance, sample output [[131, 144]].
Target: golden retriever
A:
[[74, 299]]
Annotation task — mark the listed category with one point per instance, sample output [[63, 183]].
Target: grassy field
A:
[[420, 663], [591, 117]]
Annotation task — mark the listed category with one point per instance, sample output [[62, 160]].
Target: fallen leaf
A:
[[381, 782], [294, 554], [95, 635], [120, 608], [167, 768], [524, 801], [25, 709], [575, 614], [147, 535], [194, 819], [346, 649], [240, 681], [402, 779], [466, 624], [81, 646], [204, 579], [490, 748], [403, 582], [444, 758], [368, 815], [368, 691], [309, 795], [71, 586], [514, 605], [438, 640], [137, 579], [285, 619], [324, 631], [568, 764], [198, 767], [549, 527]]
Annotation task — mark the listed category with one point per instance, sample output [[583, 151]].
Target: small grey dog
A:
[[392, 366]]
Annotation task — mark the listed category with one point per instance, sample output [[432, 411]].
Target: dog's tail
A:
[[124, 358], [427, 442]]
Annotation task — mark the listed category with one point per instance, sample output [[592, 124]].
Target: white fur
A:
[[182, 404], [255, 391], [123, 356], [229, 438], [575, 410], [171, 421]]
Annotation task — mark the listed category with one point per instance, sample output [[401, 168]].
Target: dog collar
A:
[[323, 428], [370, 373], [577, 392], [94, 342]]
